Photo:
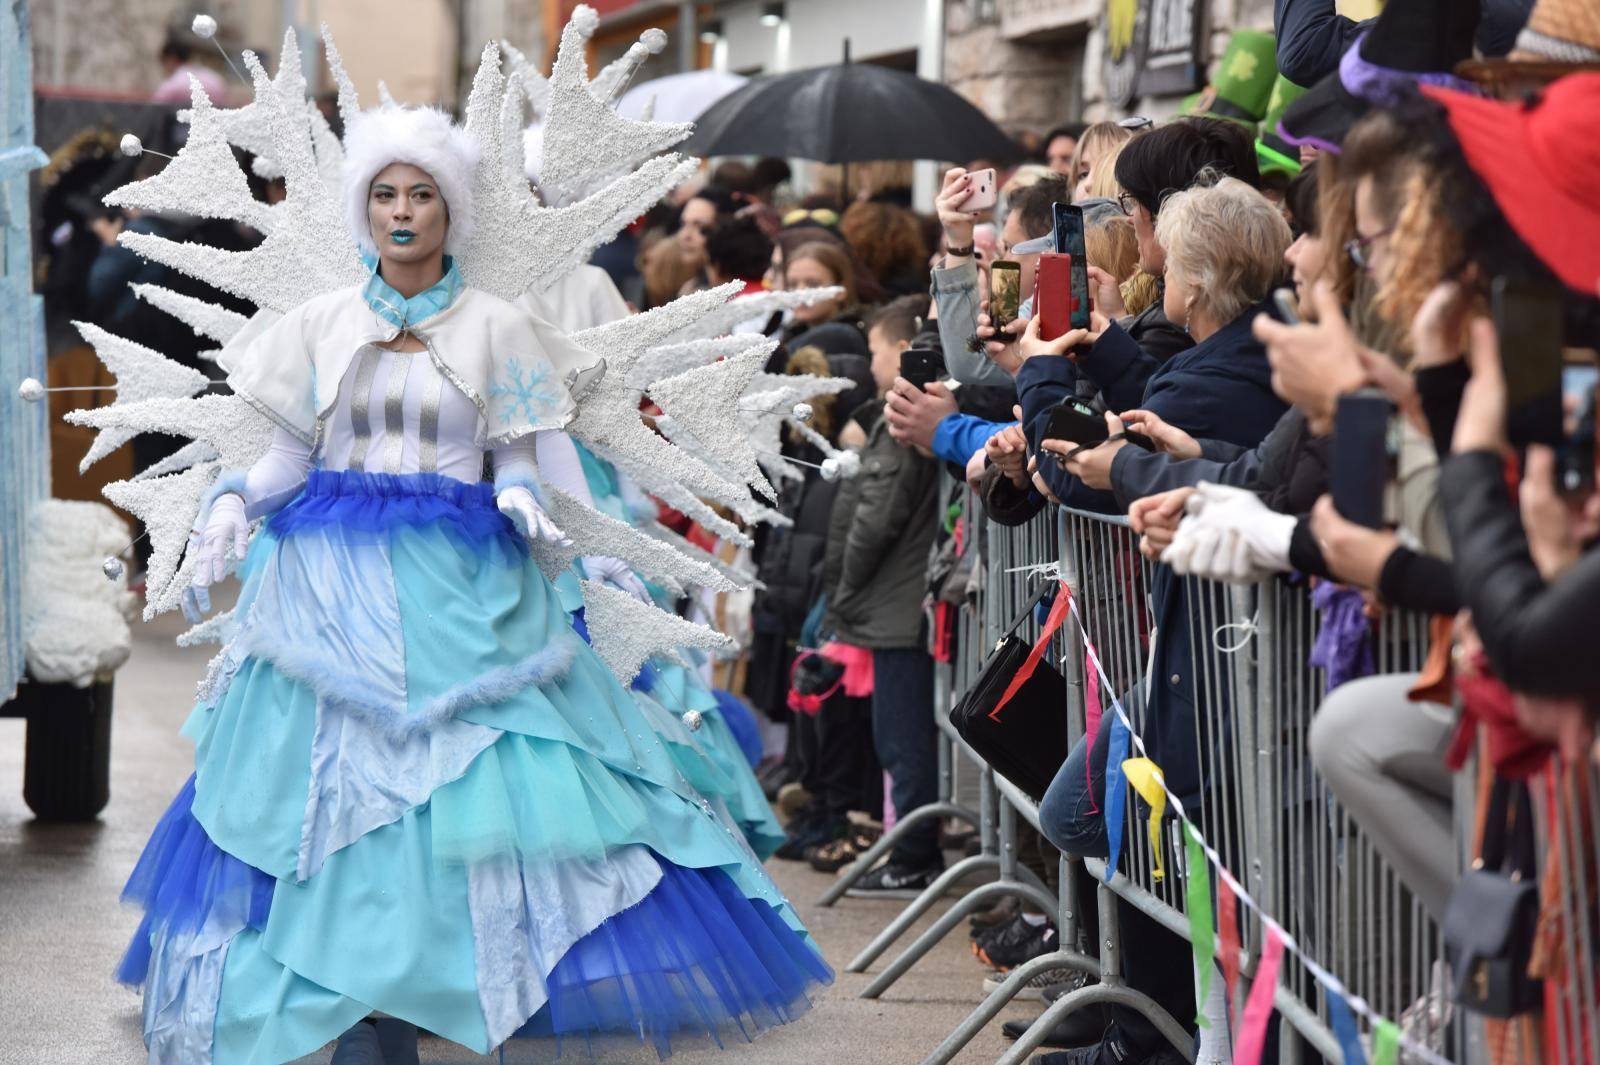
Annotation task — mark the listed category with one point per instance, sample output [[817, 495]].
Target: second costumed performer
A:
[[418, 792]]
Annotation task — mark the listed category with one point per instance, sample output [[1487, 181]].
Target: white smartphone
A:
[[983, 194]]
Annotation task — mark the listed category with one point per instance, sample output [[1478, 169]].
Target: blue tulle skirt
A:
[[182, 879], [476, 835]]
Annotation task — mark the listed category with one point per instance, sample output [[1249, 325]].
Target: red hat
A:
[[1540, 160]]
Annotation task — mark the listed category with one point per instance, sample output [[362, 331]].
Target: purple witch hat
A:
[[1411, 42]]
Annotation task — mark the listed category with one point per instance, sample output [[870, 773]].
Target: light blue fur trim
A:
[[340, 688], [517, 479]]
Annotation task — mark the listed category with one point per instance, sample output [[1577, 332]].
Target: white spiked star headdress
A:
[[427, 139]]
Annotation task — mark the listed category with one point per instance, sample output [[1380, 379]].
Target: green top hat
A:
[[1272, 151], [1242, 87]]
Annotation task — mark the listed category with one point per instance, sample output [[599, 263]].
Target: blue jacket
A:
[[1220, 389], [960, 435]]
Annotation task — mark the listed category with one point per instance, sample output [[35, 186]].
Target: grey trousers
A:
[[1383, 757]]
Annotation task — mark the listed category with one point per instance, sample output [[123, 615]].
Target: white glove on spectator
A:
[[226, 526], [1228, 534], [518, 504], [617, 573]]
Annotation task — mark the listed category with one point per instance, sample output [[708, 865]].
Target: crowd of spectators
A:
[[1235, 307]]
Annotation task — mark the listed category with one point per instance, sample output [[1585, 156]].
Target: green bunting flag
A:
[[1385, 1043], [1200, 929]]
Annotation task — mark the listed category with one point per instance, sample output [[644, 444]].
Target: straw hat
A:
[[1561, 37]]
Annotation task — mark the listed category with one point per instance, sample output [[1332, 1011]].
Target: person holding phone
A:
[[1223, 249], [957, 285], [875, 577]]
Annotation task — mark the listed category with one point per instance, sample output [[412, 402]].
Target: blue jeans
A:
[[907, 740], [1072, 812], [1154, 961]]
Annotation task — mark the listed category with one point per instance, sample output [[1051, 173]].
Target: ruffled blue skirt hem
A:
[[694, 959]]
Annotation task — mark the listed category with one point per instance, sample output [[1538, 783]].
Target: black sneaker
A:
[[1000, 947], [1007, 954], [891, 881]]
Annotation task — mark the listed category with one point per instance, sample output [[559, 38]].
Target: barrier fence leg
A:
[[875, 853], [1008, 884], [1069, 957], [988, 859], [1110, 990]]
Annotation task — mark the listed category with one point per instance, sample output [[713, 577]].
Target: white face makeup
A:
[[409, 218]]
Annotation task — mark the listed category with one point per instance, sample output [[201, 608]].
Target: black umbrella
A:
[[852, 112]]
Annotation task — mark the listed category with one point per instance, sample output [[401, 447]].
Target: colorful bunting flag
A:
[[1199, 907], [1116, 794], [1385, 1043], [1146, 778], [1343, 1023], [1092, 712], [1258, 1010], [1052, 622], [1228, 935]]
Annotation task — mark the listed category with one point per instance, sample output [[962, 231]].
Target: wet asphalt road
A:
[[62, 929]]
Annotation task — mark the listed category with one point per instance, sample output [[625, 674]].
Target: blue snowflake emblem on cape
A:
[[524, 390]]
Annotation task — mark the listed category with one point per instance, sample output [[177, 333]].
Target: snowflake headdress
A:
[[427, 139], [592, 156]]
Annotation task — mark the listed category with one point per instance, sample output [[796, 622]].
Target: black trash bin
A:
[[67, 771]]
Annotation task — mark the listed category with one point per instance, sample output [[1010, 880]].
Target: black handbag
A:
[[1493, 916], [1025, 742]]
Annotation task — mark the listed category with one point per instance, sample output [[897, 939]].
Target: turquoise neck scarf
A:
[[399, 311]]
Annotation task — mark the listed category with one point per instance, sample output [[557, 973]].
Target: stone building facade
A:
[[425, 50], [1033, 63]]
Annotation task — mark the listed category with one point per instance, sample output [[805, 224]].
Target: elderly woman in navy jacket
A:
[[1224, 250], [1224, 247]]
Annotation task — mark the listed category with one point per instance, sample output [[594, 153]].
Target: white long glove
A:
[[518, 504], [227, 526], [1228, 534], [618, 574]]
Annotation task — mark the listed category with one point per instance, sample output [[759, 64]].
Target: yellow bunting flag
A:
[[1146, 778]]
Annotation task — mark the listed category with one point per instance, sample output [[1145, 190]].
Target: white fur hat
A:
[[426, 138]]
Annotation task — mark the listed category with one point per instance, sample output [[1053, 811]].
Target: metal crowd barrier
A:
[[1276, 824]]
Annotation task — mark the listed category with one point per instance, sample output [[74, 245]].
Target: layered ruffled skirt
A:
[[418, 792]]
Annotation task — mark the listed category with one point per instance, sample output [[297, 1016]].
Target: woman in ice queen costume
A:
[[418, 793]]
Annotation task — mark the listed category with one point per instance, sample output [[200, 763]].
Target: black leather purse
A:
[[1493, 916], [1026, 741]]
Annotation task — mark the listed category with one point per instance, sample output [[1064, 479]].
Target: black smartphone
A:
[[1005, 292], [1575, 457], [1528, 320], [1067, 233], [1076, 422], [921, 366], [1361, 455]]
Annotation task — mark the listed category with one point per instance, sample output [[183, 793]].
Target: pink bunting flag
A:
[[1091, 713], [1258, 1010]]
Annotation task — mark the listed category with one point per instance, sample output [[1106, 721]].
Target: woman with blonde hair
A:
[[1099, 144], [1113, 247]]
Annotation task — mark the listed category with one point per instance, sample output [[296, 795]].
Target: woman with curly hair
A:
[[889, 242]]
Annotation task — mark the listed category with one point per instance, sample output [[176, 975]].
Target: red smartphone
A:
[[1053, 301]]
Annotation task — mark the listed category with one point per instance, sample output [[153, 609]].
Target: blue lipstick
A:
[[402, 236]]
